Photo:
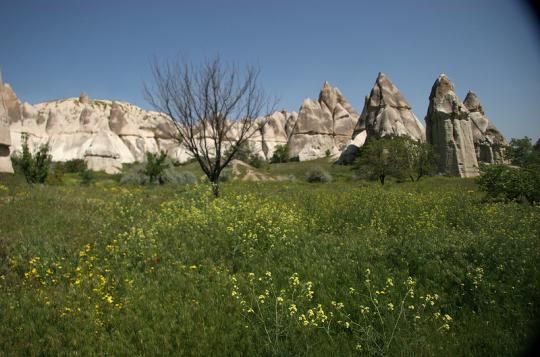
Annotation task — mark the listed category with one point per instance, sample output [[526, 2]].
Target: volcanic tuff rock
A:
[[322, 126], [5, 137], [104, 133], [107, 134], [449, 130], [387, 113], [489, 143], [277, 130]]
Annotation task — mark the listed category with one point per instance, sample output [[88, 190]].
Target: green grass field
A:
[[269, 268]]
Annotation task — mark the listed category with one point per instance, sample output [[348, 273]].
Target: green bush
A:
[[281, 154], [521, 152], [246, 153], [34, 167], [318, 174], [179, 177], [510, 183], [137, 175], [72, 166], [86, 176], [56, 174], [155, 166]]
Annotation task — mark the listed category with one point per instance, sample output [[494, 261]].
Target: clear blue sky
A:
[[53, 49]]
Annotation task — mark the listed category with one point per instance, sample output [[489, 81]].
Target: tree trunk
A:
[[215, 188], [381, 178]]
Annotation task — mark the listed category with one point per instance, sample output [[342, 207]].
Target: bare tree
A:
[[213, 106]]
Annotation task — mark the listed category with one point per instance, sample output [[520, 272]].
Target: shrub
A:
[[521, 152], [86, 176], [318, 174], [247, 154], [74, 166], [180, 178], [34, 167], [137, 174], [395, 156], [510, 183], [281, 154], [155, 166], [56, 174]]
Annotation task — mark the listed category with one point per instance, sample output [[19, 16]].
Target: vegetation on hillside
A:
[[425, 268]]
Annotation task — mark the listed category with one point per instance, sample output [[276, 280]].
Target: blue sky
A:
[[54, 49]]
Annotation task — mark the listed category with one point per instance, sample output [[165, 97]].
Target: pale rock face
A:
[[323, 126], [107, 134], [277, 130], [5, 135], [104, 133], [489, 142], [386, 112], [449, 130]]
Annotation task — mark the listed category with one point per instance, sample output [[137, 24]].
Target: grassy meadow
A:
[[269, 268]]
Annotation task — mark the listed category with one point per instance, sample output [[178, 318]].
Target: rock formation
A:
[[449, 130], [104, 133], [324, 126], [5, 135], [387, 113], [489, 143], [107, 134], [277, 130]]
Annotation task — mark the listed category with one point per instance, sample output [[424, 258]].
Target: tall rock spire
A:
[[387, 113], [5, 136], [324, 126], [489, 142], [449, 130]]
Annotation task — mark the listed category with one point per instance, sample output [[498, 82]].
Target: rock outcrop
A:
[[277, 130], [324, 126], [449, 130], [489, 143], [5, 135], [386, 112], [107, 134]]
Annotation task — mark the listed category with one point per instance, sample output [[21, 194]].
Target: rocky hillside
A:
[[107, 134]]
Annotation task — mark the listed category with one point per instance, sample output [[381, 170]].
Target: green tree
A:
[[396, 156], [35, 167], [415, 159], [378, 159], [155, 167], [510, 183], [522, 153], [281, 154]]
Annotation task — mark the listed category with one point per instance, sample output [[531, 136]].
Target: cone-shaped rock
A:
[[449, 130], [489, 142], [387, 113], [5, 136], [323, 126]]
